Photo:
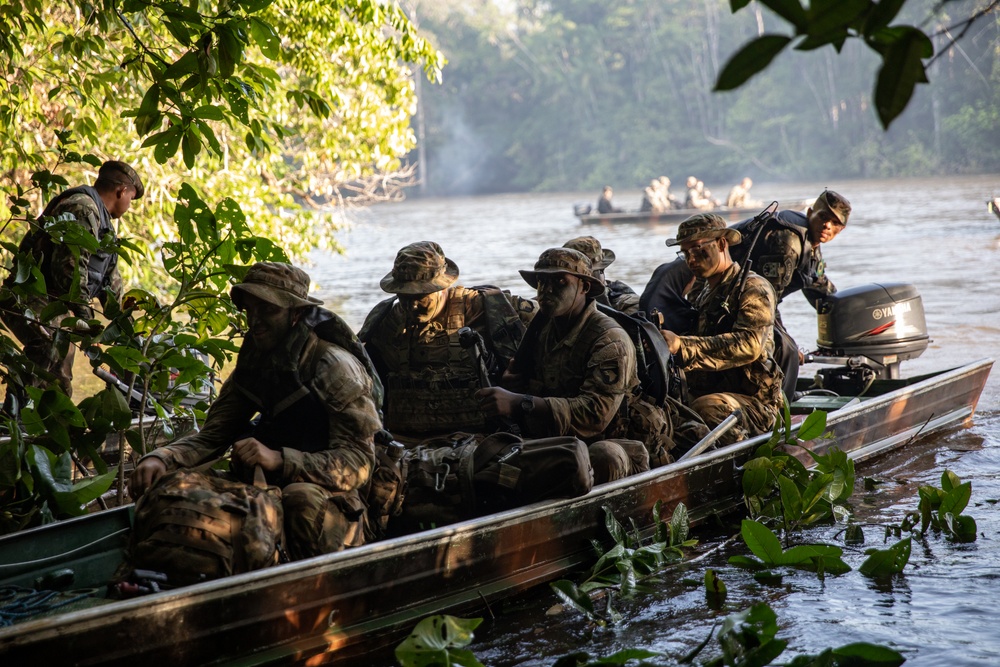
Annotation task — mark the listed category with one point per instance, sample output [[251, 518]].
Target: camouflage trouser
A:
[[615, 459], [41, 349], [757, 417], [318, 521]]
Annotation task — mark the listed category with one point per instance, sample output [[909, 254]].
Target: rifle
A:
[[474, 345], [755, 227]]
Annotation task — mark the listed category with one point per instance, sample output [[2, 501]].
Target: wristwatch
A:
[[527, 404]]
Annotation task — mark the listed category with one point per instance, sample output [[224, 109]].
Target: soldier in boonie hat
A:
[[420, 268], [600, 258], [119, 173], [565, 260], [705, 226], [276, 283], [829, 200]]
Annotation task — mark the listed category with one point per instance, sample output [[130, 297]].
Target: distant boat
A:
[[589, 215]]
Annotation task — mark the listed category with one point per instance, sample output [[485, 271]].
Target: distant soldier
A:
[[604, 204], [739, 196], [727, 361], [670, 201], [695, 195], [413, 338], [73, 275], [649, 201], [575, 370], [617, 294], [788, 255]]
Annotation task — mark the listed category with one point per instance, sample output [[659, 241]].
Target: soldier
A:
[[739, 196], [788, 255], [413, 338], [616, 294], [666, 294], [318, 416], [604, 204], [575, 369], [695, 195], [727, 361], [74, 275]]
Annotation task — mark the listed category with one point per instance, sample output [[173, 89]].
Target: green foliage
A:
[[439, 641], [886, 562], [630, 566], [819, 558], [940, 509]]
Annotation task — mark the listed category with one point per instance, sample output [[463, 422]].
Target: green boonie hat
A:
[[600, 258], [834, 203], [565, 260], [705, 226], [420, 268], [275, 282], [119, 172]]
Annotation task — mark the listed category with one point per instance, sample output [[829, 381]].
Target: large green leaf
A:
[[439, 640], [749, 60], [761, 541], [902, 69], [886, 562]]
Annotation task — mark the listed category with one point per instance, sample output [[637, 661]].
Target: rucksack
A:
[[193, 525], [454, 478], [652, 355]]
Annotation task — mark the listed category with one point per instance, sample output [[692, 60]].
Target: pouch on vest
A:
[[195, 526], [386, 486]]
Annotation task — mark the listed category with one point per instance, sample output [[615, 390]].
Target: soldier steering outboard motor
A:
[[868, 330]]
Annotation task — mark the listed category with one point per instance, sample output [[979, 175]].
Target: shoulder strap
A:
[[505, 325]]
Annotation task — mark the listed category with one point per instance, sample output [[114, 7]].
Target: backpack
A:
[[454, 478], [193, 525], [654, 362]]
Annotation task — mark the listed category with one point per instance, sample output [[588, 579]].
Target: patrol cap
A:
[[116, 171], [835, 204], [420, 268], [600, 258], [565, 260], [705, 226], [275, 282]]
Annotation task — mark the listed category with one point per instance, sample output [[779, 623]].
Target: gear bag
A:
[[195, 525], [463, 479]]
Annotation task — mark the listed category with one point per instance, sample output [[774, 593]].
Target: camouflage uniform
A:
[[616, 294], [75, 279], [430, 379], [317, 406], [727, 361], [585, 376]]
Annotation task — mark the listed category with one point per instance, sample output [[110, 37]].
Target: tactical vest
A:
[[101, 263], [766, 265], [760, 379], [430, 386]]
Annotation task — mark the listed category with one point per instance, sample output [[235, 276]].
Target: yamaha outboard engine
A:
[[869, 330]]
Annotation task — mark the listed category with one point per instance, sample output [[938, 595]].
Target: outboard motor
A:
[[869, 330]]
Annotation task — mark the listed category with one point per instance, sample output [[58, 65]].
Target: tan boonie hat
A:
[[600, 258], [565, 260], [275, 282], [420, 268], [116, 171], [834, 203], [705, 226]]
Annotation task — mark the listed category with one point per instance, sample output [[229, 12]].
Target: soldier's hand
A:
[[251, 452], [147, 472], [497, 402], [672, 339]]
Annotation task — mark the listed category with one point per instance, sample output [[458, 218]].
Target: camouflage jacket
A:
[[732, 354], [338, 383], [621, 297], [584, 376], [83, 277]]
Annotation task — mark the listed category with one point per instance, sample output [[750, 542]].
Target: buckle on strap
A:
[[439, 477]]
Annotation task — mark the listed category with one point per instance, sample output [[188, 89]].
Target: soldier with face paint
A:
[[728, 359], [575, 368], [318, 415]]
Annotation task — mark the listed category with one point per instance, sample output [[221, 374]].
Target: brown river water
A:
[[935, 234]]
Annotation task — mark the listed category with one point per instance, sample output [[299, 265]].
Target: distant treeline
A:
[[575, 94]]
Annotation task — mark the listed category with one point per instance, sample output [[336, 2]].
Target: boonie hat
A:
[[834, 203], [275, 282], [565, 260], [420, 268], [600, 258], [705, 226], [119, 172]]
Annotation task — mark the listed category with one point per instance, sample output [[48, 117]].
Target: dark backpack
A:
[[653, 359], [194, 525], [455, 478]]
